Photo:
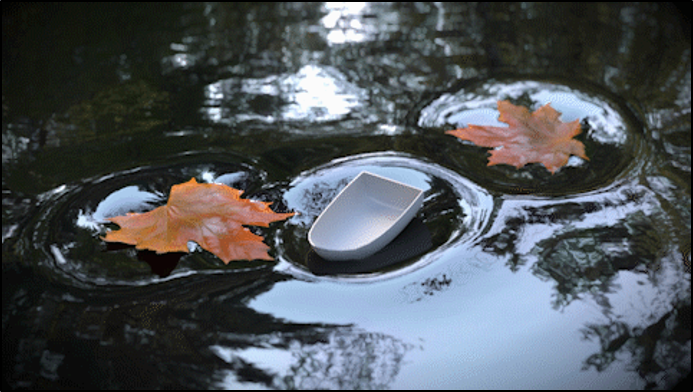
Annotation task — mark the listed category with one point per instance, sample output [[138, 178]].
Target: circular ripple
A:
[[72, 218], [611, 133], [454, 211]]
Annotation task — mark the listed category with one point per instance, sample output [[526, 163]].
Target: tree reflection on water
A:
[[658, 351], [174, 335], [340, 358], [598, 249]]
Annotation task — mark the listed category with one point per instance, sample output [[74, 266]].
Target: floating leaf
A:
[[212, 215], [537, 137]]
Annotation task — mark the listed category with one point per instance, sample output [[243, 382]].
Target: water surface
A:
[[509, 279]]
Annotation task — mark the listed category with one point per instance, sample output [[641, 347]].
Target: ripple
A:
[[65, 233], [611, 133], [455, 210]]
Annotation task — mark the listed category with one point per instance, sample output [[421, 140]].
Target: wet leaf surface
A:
[[212, 215], [537, 137]]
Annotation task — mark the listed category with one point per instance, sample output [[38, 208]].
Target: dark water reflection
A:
[[528, 280]]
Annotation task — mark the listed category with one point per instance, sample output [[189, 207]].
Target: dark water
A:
[[524, 279]]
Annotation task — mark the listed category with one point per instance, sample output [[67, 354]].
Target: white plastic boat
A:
[[364, 217]]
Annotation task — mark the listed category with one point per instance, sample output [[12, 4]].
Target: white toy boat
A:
[[364, 217]]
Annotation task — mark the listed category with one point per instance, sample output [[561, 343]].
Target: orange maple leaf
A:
[[212, 215], [537, 137]]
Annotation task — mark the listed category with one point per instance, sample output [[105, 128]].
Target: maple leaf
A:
[[537, 137], [212, 215]]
